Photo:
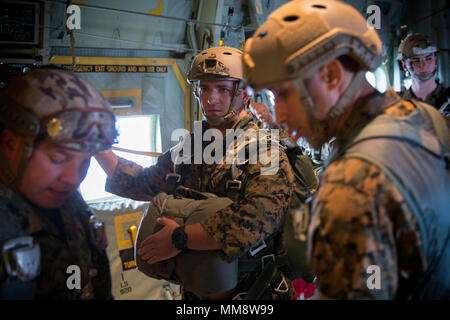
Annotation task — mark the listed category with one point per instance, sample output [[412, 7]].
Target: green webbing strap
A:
[[234, 187], [247, 265]]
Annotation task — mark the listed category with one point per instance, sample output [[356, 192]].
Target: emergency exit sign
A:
[[116, 68]]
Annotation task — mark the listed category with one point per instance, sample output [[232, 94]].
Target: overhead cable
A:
[[160, 16]]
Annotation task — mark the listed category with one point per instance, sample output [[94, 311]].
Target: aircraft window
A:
[[378, 79], [370, 77], [407, 83], [132, 136], [381, 78]]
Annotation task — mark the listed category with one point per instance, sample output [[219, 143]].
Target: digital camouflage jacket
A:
[[360, 219], [66, 237], [255, 215]]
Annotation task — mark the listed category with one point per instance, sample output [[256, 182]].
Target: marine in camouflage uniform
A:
[[53, 109], [262, 201], [364, 214], [418, 57], [256, 215], [437, 98], [66, 237], [360, 219]]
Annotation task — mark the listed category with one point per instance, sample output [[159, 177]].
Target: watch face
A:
[[179, 238]]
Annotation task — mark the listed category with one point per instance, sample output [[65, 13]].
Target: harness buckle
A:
[[283, 287], [240, 296], [263, 258], [233, 185], [22, 258], [173, 177], [254, 251]]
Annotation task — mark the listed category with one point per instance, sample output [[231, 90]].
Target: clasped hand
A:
[[158, 246]]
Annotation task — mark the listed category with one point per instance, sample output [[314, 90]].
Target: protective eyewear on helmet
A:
[[78, 125]]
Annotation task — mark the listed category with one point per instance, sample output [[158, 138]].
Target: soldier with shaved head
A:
[[51, 124]]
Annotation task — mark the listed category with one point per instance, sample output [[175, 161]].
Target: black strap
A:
[[189, 193], [172, 181], [430, 271], [15, 289], [259, 287], [269, 273]]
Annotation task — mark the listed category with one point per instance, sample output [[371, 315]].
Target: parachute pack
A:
[[277, 260], [200, 272]]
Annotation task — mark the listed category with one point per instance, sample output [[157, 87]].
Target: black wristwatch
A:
[[179, 238]]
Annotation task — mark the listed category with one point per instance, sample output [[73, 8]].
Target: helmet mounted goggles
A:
[[84, 129]]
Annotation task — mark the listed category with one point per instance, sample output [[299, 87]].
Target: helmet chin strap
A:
[[26, 124], [320, 127], [232, 111], [420, 77], [347, 96], [424, 77], [11, 178]]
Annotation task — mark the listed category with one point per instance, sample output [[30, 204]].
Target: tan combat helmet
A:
[[55, 104], [301, 36], [219, 63], [414, 45]]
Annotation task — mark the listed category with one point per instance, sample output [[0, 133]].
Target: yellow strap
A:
[[142, 153]]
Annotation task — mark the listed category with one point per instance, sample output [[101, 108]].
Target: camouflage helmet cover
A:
[[301, 36], [217, 63], [57, 103], [416, 44]]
